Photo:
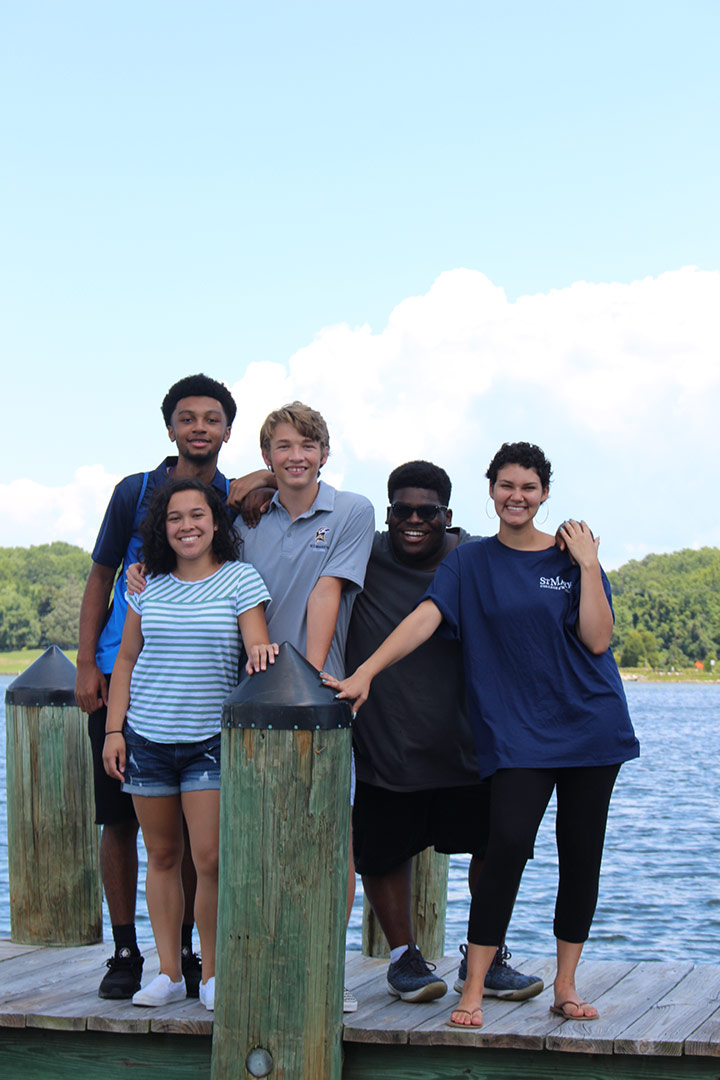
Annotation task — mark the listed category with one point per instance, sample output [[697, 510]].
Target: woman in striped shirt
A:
[[177, 663]]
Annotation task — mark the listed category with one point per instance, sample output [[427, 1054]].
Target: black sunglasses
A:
[[426, 511]]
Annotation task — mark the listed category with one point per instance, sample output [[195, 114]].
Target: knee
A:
[[206, 861], [164, 857]]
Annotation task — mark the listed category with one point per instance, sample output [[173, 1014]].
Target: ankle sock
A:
[[124, 937], [395, 954]]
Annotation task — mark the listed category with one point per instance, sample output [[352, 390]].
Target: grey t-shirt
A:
[[331, 539], [413, 732]]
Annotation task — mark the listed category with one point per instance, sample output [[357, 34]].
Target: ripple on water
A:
[[658, 892]]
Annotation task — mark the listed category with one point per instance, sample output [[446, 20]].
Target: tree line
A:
[[667, 607], [40, 592]]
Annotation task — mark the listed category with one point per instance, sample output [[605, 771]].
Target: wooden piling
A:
[[284, 829], [428, 908], [53, 845]]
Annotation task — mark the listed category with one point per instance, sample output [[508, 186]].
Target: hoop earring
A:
[[547, 514], [487, 513]]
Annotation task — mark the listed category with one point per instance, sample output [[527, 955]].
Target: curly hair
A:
[[158, 556], [307, 421], [420, 474], [198, 386], [526, 454]]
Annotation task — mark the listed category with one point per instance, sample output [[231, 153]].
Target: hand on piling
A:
[[355, 689], [114, 755], [259, 656]]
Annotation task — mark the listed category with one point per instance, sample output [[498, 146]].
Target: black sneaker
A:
[[502, 981], [123, 975], [191, 970], [411, 978]]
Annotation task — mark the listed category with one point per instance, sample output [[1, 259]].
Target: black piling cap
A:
[[287, 697], [50, 680]]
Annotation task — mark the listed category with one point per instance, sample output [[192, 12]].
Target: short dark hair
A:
[[420, 474], [198, 386], [526, 454], [158, 556]]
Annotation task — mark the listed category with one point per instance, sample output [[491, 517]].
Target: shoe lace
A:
[[416, 962], [502, 956]]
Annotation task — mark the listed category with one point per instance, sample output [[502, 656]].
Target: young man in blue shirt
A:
[[198, 413]]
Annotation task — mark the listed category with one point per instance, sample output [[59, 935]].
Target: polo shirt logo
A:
[[321, 538], [557, 583]]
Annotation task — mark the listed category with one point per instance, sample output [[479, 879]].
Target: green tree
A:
[[60, 626], [19, 622], [633, 652]]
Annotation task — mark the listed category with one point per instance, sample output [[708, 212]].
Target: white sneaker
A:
[[350, 1002], [207, 993], [161, 991]]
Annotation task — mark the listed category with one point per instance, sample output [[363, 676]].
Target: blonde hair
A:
[[307, 421]]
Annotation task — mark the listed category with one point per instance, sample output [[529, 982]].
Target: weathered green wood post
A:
[[53, 845], [284, 830], [428, 907]]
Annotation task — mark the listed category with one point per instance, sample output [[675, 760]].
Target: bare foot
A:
[[575, 1009], [466, 1018]]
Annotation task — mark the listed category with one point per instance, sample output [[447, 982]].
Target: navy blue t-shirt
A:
[[537, 697], [118, 545]]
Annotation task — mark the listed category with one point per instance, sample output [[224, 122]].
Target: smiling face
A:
[[190, 526], [415, 540], [518, 494], [295, 459], [199, 427]]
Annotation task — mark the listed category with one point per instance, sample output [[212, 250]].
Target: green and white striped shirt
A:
[[191, 649]]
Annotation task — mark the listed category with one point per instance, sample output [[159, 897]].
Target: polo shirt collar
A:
[[324, 500]]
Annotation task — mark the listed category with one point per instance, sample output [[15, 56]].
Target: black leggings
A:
[[518, 800]]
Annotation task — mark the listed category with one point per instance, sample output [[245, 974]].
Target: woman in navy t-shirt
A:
[[546, 702]]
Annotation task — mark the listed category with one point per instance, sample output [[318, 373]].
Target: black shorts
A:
[[389, 827], [112, 805]]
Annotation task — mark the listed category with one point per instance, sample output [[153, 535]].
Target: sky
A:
[[445, 225]]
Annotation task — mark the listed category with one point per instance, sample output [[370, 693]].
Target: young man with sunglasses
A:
[[417, 782]]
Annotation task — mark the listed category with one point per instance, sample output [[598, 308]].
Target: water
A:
[[658, 893]]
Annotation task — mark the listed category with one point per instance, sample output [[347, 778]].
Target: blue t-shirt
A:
[[537, 697], [118, 545]]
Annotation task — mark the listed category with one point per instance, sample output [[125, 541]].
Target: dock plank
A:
[[666, 1027], [619, 1006], [705, 1041], [649, 1010], [384, 1019]]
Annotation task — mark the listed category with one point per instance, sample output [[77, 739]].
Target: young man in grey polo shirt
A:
[[312, 545], [311, 548]]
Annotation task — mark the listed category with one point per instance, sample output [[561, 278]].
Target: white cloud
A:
[[619, 382], [33, 513]]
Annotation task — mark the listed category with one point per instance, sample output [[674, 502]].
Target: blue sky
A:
[[260, 191]]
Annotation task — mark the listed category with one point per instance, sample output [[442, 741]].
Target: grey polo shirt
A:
[[331, 539]]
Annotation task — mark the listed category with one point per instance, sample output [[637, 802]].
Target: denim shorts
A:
[[154, 768]]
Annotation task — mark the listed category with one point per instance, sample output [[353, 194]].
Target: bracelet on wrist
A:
[[116, 731]]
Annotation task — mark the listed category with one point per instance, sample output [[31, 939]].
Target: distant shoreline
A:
[[14, 663]]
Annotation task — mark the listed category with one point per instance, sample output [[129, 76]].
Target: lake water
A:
[[659, 896]]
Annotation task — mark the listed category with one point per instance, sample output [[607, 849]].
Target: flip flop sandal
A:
[[559, 1010], [465, 1027]]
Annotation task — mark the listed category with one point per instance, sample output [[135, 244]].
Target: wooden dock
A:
[[656, 1020]]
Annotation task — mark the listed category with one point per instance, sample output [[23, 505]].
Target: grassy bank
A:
[[12, 663]]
